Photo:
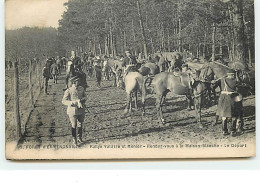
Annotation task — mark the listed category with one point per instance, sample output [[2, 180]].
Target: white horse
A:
[[134, 83]]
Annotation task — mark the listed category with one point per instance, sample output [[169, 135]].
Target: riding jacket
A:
[[74, 97]]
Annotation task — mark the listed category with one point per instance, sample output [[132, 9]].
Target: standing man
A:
[[105, 68], [75, 98], [98, 72], [46, 76], [230, 105], [54, 72]]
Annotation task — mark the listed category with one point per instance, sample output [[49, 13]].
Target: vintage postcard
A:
[[116, 79]]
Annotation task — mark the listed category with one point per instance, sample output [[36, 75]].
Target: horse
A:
[[149, 68], [134, 83], [209, 72], [162, 62], [184, 85], [172, 60], [116, 68]]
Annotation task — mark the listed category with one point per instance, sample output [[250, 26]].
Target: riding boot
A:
[[233, 128], [79, 136], [73, 130], [240, 125], [224, 127]]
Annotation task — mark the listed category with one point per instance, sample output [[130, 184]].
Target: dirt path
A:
[[49, 123]]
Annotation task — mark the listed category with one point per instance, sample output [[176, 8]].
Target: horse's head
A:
[[206, 73]]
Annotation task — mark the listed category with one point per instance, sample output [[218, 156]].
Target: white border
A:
[[236, 164]]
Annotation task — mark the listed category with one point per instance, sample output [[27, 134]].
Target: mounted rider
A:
[[129, 62]]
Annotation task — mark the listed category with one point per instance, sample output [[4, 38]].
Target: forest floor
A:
[[49, 123]]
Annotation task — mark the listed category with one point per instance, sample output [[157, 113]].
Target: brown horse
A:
[[174, 59], [184, 85], [149, 68]]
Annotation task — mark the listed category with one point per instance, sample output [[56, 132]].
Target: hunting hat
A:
[[74, 79]]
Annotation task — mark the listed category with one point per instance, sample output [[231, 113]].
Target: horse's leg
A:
[[143, 94], [56, 79], [218, 84], [135, 94], [189, 100], [128, 103], [115, 77], [197, 104], [159, 109], [216, 120]]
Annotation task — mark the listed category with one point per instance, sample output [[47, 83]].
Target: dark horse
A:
[[182, 84]]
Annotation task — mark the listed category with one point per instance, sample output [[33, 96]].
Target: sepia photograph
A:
[[129, 79]]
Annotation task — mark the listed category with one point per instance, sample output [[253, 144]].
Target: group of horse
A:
[[162, 74], [166, 75]]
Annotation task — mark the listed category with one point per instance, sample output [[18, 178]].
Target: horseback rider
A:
[[230, 105], [74, 98], [129, 61]]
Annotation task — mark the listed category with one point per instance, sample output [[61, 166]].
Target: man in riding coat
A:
[[75, 98], [230, 105], [129, 60], [46, 76]]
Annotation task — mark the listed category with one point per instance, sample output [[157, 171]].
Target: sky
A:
[[32, 13]]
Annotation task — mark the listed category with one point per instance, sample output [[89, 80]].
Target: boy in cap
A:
[[230, 105], [75, 98]]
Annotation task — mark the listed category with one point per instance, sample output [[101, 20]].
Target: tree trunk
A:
[[133, 30], [204, 43], [100, 50], [248, 43], [168, 41], [142, 29], [213, 41], [179, 35], [111, 38], [162, 40], [125, 41], [106, 47], [239, 37]]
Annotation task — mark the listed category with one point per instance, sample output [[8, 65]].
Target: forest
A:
[[148, 26], [203, 27]]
